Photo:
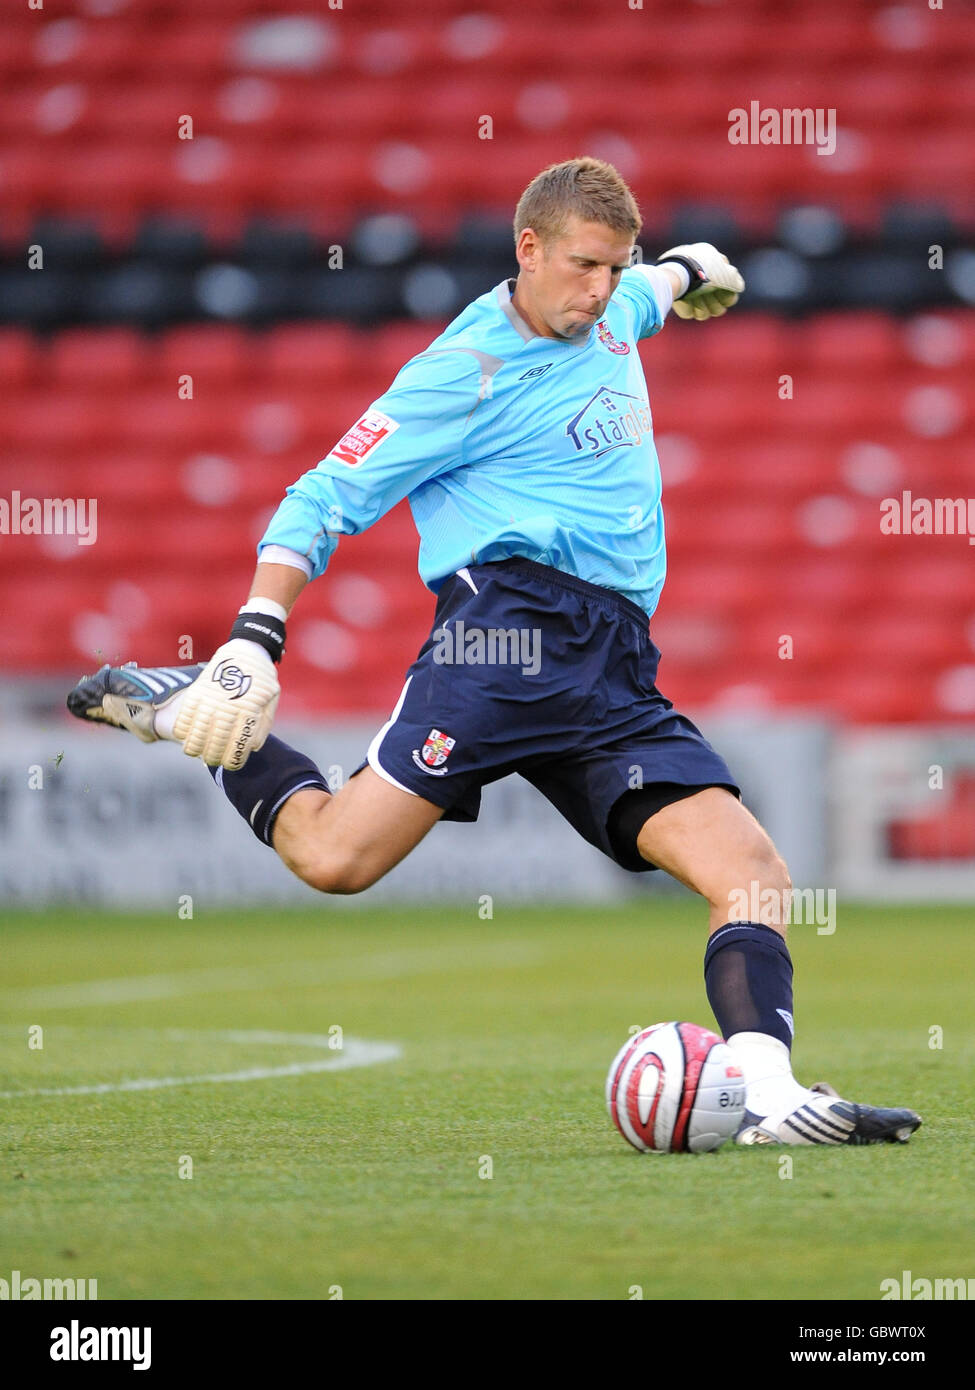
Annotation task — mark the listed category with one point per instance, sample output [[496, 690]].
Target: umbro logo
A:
[[535, 371]]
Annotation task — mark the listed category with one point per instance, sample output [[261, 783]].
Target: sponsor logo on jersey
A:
[[535, 371], [610, 420], [607, 339], [436, 749], [363, 438]]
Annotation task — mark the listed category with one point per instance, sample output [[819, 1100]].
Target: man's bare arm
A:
[[281, 583]]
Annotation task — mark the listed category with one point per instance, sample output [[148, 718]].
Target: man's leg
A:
[[345, 842], [714, 845], [339, 843], [711, 843]]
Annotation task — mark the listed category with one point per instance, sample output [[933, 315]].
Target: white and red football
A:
[[675, 1088]]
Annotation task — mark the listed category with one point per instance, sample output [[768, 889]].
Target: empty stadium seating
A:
[[328, 113], [783, 590]]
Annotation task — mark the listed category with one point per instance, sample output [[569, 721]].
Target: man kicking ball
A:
[[523, 439]]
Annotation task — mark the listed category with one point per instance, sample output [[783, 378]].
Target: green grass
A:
[[369, 1178]]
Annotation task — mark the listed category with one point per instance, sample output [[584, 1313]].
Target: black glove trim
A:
[[261, 628], [698, 275]]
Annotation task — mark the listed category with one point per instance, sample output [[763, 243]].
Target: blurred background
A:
[[225, 227]]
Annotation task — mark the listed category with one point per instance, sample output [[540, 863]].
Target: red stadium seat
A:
[[772, 516], [899, 84], [904, 640], [111, 358], [318, 355], [785, 643], [943, 833], [867, 342], [21, 358], [194, 47], [930, 576], [62, 422], [824, 580], [758, 345], [215, 355], [864, 696]]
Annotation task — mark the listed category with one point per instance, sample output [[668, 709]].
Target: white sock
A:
[[770, 1087], [164, 719]]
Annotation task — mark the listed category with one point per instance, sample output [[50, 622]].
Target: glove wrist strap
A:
[[268, 632], [696, 272]]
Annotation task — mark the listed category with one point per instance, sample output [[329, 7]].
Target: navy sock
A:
[[748, 977], [264, 783]]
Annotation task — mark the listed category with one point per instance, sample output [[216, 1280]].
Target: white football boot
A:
[[780, 1111]]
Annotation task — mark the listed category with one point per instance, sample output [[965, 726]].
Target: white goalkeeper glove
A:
[[227, 713], [715, 283]]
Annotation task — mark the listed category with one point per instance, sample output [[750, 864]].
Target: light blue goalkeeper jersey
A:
[[506, 444]]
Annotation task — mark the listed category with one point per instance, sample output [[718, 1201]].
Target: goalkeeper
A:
[[523, 439]]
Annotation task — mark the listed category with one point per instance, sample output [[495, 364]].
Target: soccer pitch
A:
[[208, 1138]]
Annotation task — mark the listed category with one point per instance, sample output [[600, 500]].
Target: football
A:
[[675, 1088]]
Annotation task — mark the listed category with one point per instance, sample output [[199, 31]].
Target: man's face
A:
[[568, 282]]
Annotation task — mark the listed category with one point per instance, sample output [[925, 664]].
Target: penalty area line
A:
[[355, 1052], [388, 965]]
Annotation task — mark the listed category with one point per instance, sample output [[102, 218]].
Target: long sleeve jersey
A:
[[507, 443]]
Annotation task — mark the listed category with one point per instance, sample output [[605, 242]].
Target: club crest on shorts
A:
[[607, 339], [436, 749]]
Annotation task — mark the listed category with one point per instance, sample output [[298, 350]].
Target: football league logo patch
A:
[[366, 434], [607, 339]]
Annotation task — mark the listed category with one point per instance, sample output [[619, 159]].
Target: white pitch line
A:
[[356, 1052], [388, 965]]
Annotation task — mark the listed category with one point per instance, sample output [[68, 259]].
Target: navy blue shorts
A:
[[533, 671]]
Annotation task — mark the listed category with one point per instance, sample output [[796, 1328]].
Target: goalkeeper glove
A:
[[715, 283], [227, 713]]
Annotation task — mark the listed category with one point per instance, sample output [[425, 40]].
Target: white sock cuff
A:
[[761, 1055], [164, 718], [268, 606], [763, 1041]]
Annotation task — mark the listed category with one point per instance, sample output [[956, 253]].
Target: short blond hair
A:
[[589, 188]]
